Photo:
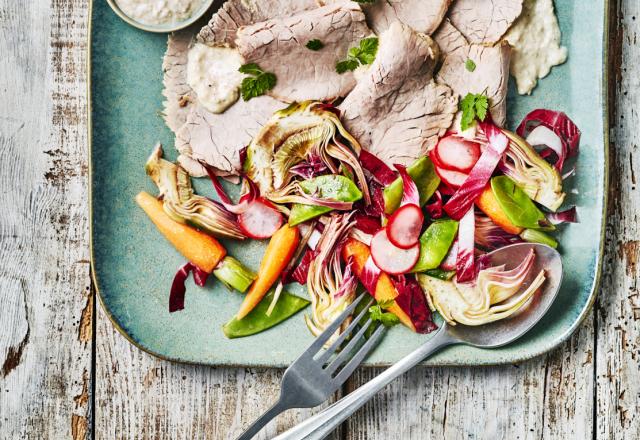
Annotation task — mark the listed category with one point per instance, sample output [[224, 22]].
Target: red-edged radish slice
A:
[[453, 179], [405, 225], [391, 259], [260, 220], [457, 154]]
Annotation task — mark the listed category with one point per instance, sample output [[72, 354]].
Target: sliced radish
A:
[[391, 259], [405, 225], [457, 154], [454, 179], [260, 219]]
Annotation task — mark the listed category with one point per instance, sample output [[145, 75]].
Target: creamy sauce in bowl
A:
[[157, 12]]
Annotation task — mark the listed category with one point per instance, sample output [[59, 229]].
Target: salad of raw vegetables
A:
[[337, 217]]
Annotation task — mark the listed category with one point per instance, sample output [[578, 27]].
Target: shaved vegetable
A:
[[404, 226], [384, 290], [258, 321], [390, 258], [178, 288], [567, 216], [488, 204], [201, 249], [456, 153], [276, 257], [423, 174], [490, 236], [459, 204], [411, 299], [465, 269], [435, 208], [377, 168], [260, 220], [560, 124]]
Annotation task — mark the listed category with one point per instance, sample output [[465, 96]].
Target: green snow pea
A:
[[533, 236], [423, 173], [257, 320], [435, 243], [234, 274], [516, 204], [330, 187]]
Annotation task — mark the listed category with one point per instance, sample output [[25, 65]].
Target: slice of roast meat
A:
[[422, 15], [217, 139], [178, 95], [484, 21], [491, 71], [221, 29], [279, 46], [397, 111]]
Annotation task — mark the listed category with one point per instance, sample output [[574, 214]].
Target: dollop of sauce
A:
[[535, 37], [212, 73], [159, 11]]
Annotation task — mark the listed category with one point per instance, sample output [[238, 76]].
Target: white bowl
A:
[[162, 28]]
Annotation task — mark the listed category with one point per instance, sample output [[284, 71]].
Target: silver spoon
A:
[[491, 335]]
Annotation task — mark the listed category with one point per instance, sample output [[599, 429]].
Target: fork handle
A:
[[279, 407], [321, 425]]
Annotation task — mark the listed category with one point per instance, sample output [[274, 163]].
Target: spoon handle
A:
[[320, 425]]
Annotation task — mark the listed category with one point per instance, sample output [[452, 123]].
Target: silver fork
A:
[[317, 374]]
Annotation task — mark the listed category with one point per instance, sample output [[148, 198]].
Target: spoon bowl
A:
[[499, 333]]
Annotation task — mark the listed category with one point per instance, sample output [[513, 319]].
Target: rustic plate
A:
[[133, 266]]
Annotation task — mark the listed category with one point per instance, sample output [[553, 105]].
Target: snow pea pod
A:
[[533, 236], [435, 243], [441, 274], [330, 187], [424, 175], [516, 204], [257, 320]]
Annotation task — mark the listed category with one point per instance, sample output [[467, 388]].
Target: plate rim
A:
[[595, 286]]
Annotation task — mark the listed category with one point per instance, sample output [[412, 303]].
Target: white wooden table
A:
[[65, 372]]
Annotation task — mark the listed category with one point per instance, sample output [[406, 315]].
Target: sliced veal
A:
[[491, 71], [397, 111], [484, 21], [279, 46], [423, 16], [178, 94], [221, 29], [217, 139]]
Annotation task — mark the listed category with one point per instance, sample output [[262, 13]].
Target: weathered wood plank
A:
[[46, 310], [618, 311], [139, 396]]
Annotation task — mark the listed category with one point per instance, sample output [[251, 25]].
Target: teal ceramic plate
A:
[[133, 265]]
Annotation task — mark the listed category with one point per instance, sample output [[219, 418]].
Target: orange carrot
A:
[[385, 290], [201, 249], [279, 252], [488, 204]]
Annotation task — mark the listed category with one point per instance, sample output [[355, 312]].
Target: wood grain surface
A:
[[66, 373]]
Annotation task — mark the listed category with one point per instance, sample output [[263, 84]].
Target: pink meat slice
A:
[[179, 97], [279, 46], [221, 29], [491, 71], [397, 111], [484, 21]]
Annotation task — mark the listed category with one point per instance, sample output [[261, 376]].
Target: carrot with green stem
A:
[[279, 252]]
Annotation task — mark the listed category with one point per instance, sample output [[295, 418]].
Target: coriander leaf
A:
[[387, 319], [470, 65], [250, 69], [473, 106], [346, 65], [258, 84], [368, 49], [315, 44]]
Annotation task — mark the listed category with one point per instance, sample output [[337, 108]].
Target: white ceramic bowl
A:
[[162, 28]]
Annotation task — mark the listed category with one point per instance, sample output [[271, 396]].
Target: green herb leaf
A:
[[473, 106], [386, 318], [347, 65], [314, 44], [258, 84], [470, 65], [362, 54]]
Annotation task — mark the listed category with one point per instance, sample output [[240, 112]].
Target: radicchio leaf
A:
[[178, 288], [377, 168], [449, 262], [465, 270], [435, 207], [301, 272], [410, 194], [411, 299], [561, 125], [245, 200], [376, 207], [367, 224], [567, 216], [313, 166], [369, 276], [461, 202], [490, 236]]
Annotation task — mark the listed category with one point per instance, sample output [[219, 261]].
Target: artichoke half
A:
[[290, 136], [183, 205]]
